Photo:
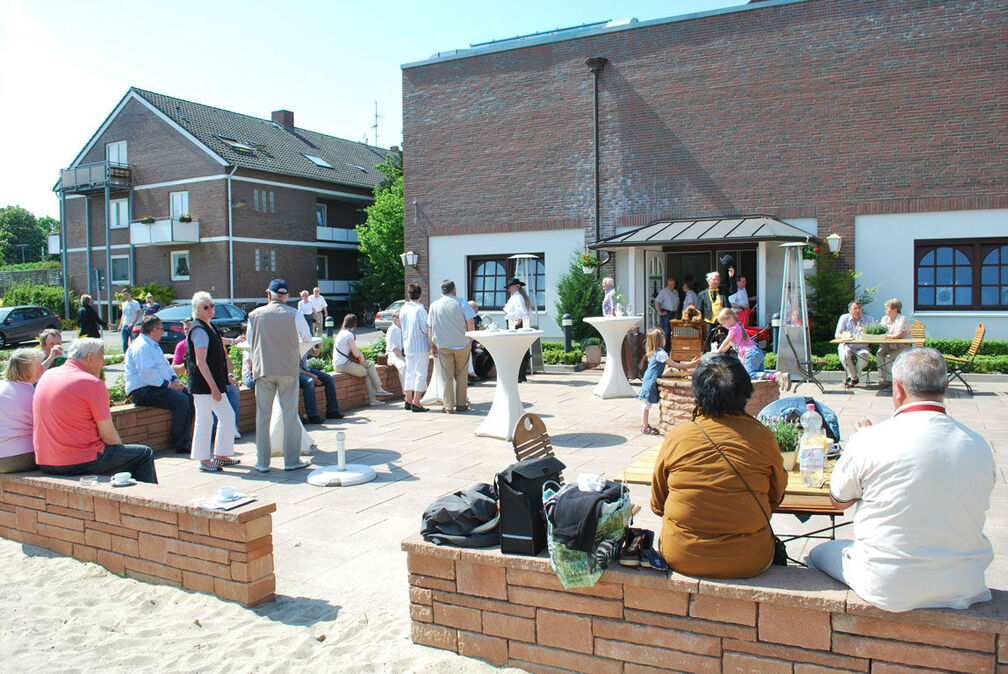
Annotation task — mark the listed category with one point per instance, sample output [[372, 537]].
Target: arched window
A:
[[488, 278], [994, 278], [944, 278]]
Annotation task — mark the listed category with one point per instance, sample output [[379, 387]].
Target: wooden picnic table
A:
[[878, 340], [800, 499]]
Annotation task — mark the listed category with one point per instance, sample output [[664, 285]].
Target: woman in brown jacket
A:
[[711, 524]]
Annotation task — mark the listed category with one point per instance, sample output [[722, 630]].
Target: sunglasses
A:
[[207, 306]]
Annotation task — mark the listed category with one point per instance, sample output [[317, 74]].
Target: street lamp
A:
[[22, 246]]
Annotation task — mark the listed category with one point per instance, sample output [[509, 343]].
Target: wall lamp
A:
[[833, 241], [409, 259]]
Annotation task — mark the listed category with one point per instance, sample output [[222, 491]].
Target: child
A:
[[658, 360], [751, 356]]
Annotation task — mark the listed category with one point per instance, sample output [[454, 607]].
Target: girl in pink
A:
[[751, 356]]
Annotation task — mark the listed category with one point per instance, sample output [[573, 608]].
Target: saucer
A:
[[122, 484], [222, 499]]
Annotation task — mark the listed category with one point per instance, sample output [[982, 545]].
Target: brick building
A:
[[264, 199], [881, 120]]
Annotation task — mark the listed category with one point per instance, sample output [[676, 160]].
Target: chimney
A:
[[284, 118]]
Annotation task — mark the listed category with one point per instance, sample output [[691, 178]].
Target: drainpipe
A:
[[108, 249], [87, 240], [595, 65], [230, 209], [65, 256]]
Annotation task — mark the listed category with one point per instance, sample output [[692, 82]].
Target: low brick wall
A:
[[512, 610], [152, 426], [147, 532], [677, 401]]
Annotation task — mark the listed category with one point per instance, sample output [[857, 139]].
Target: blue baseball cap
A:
[[279, 286]]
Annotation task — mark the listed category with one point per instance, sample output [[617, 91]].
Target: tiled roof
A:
[[275, 149]]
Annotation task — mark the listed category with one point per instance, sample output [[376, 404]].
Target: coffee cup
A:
[[226, 493], [122, 478]]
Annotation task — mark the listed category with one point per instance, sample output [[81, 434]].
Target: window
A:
[[322, 267], [258, 264], [263, 202], [180, 265], [272, 260], [318, 161], [118, 213], [272, 204], [255, 199], [321, 215], [237, 145], [960, 275], [115, 153], [487, 276], [121, 269], [179, 204]]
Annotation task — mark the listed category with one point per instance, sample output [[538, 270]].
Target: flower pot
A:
[[593, 354], [789, 460], [587, 270]]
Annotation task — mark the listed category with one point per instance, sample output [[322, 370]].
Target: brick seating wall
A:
[[152, 426], [147, 532], [676, 400], [512, 610]]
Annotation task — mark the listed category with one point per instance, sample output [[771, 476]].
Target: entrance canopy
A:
[[739, 229]]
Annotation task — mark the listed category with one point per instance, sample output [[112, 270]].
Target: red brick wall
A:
[[146, 532], [813, 109], [512, 610]]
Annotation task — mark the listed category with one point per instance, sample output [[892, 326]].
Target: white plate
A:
[[122, 484]]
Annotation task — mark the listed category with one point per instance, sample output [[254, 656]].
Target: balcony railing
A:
[[86, 177], [335, 288], [163, 231], [54, 244], [337, 234]]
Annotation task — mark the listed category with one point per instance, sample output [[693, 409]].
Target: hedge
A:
[[992, 364], [47, 296]]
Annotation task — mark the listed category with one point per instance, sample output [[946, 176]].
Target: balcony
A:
[[54, 244], [94, 177], [334, 288], [164, 231], [336, 234]]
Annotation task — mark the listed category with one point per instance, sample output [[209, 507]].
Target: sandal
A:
[[211, 468], [650, 430], [226, 461]]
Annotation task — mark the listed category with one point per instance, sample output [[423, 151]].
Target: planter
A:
[[588, 270], [184, 218], [789, 460], [147, 221], [593, 354], [381, 359]]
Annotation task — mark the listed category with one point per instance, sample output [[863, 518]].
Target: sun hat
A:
[[513, 282]]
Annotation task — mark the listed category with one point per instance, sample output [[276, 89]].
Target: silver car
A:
[[383, 319]]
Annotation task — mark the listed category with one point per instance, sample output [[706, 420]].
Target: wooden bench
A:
[[512, 610], [146, 531]]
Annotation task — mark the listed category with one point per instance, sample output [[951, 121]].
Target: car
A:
[[24, 323], [383, 319], [228, 319]]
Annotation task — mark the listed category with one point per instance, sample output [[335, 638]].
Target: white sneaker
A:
[[237, 434], [383, 392], [375, 403]]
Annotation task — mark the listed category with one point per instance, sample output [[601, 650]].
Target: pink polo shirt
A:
[[67, 405]]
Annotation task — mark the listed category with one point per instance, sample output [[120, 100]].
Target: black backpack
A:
[[522, 520]]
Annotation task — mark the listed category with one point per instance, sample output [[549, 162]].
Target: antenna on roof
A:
[[375, 125]]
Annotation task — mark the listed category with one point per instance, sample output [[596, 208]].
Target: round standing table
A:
[[507, 348], [614, 382]]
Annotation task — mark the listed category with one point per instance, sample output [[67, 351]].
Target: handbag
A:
[[519, 488], [780, 556], [352, 359]]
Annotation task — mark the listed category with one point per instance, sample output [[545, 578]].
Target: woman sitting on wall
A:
[[714, 520], [348, 359], [17, 453]]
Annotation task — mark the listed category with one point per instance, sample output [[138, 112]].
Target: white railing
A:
[[336, 234], [164, 231], [54, 244], [327, 287]]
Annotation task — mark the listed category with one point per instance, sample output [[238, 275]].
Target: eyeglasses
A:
[[207, 306]]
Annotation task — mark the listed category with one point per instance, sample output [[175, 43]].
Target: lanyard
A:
[[921, 407]]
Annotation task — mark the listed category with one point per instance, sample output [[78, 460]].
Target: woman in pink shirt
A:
[[17, 452]]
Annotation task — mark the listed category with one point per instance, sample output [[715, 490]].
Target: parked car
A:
[[24, 323], [383, 319], [229, 320]]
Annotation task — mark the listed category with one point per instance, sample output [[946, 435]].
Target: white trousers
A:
[[206, 408], [416, 373], [400, 365]]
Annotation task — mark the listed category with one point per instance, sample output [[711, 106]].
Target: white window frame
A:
[[178, 204], [115, 153], [122, 281], [323, 211], [119, 213], [175, 255], [258, 263], [272, 203]]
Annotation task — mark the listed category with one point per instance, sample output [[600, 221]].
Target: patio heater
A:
[[525, 271], [793, 343]]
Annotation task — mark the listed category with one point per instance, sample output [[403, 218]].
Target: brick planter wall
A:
[[512, 610], [147, 532], [677, 401], [152, 426]]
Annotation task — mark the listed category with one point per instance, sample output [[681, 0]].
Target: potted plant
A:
[[876, 329], [589, 263], [185, 217], [592, 351], [147, 219], [788, 435]]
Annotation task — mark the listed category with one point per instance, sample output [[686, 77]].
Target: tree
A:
[[18, 226], [381, 241], [831, 289], [580, 296]]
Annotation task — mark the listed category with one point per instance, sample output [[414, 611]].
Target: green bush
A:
[[27, 266], [830, 289], [371, 352], [990, 364], [560, 357], [552, 346], [580, 295], [959, 347], [117, 392], [163, 295], [316, 364], [325, 349], [236, 355], [50, 297], [876, 329]]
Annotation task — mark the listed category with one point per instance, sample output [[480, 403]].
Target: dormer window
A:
[[318, 161]]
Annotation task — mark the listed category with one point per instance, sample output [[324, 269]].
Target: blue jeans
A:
[[307, 385], [178, 402], [136, 459], [666, 328], [828, 557], [127, 335]]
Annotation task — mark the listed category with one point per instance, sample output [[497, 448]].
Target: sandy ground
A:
[[342, 601]]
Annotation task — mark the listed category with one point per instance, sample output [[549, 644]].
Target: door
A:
[[654, 266], [17, 327]]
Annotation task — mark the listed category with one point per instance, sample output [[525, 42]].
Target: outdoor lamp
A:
[[409, 259], [833, 241]]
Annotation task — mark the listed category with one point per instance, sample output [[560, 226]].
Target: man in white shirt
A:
[[413, 318], [922, 483], [853, 357], [151, 382], [448, 324], [609, 299], [321, 310], [130, 315], [394, 350], [666, 303], [740, 299]]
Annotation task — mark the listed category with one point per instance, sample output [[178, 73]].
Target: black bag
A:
[[464, 519], [522, 520]]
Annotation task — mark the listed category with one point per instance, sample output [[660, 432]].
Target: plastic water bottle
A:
[[812, 448]]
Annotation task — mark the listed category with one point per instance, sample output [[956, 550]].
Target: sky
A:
[[65, 64]]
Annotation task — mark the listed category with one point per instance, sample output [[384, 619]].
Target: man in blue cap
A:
[[274, 333]]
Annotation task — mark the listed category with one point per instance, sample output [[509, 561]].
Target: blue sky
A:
[[64, 64]]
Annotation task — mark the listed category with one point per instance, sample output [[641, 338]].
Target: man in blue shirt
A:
[[151, 382]]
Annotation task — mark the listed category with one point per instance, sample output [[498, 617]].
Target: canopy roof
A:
[[739, 228]]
